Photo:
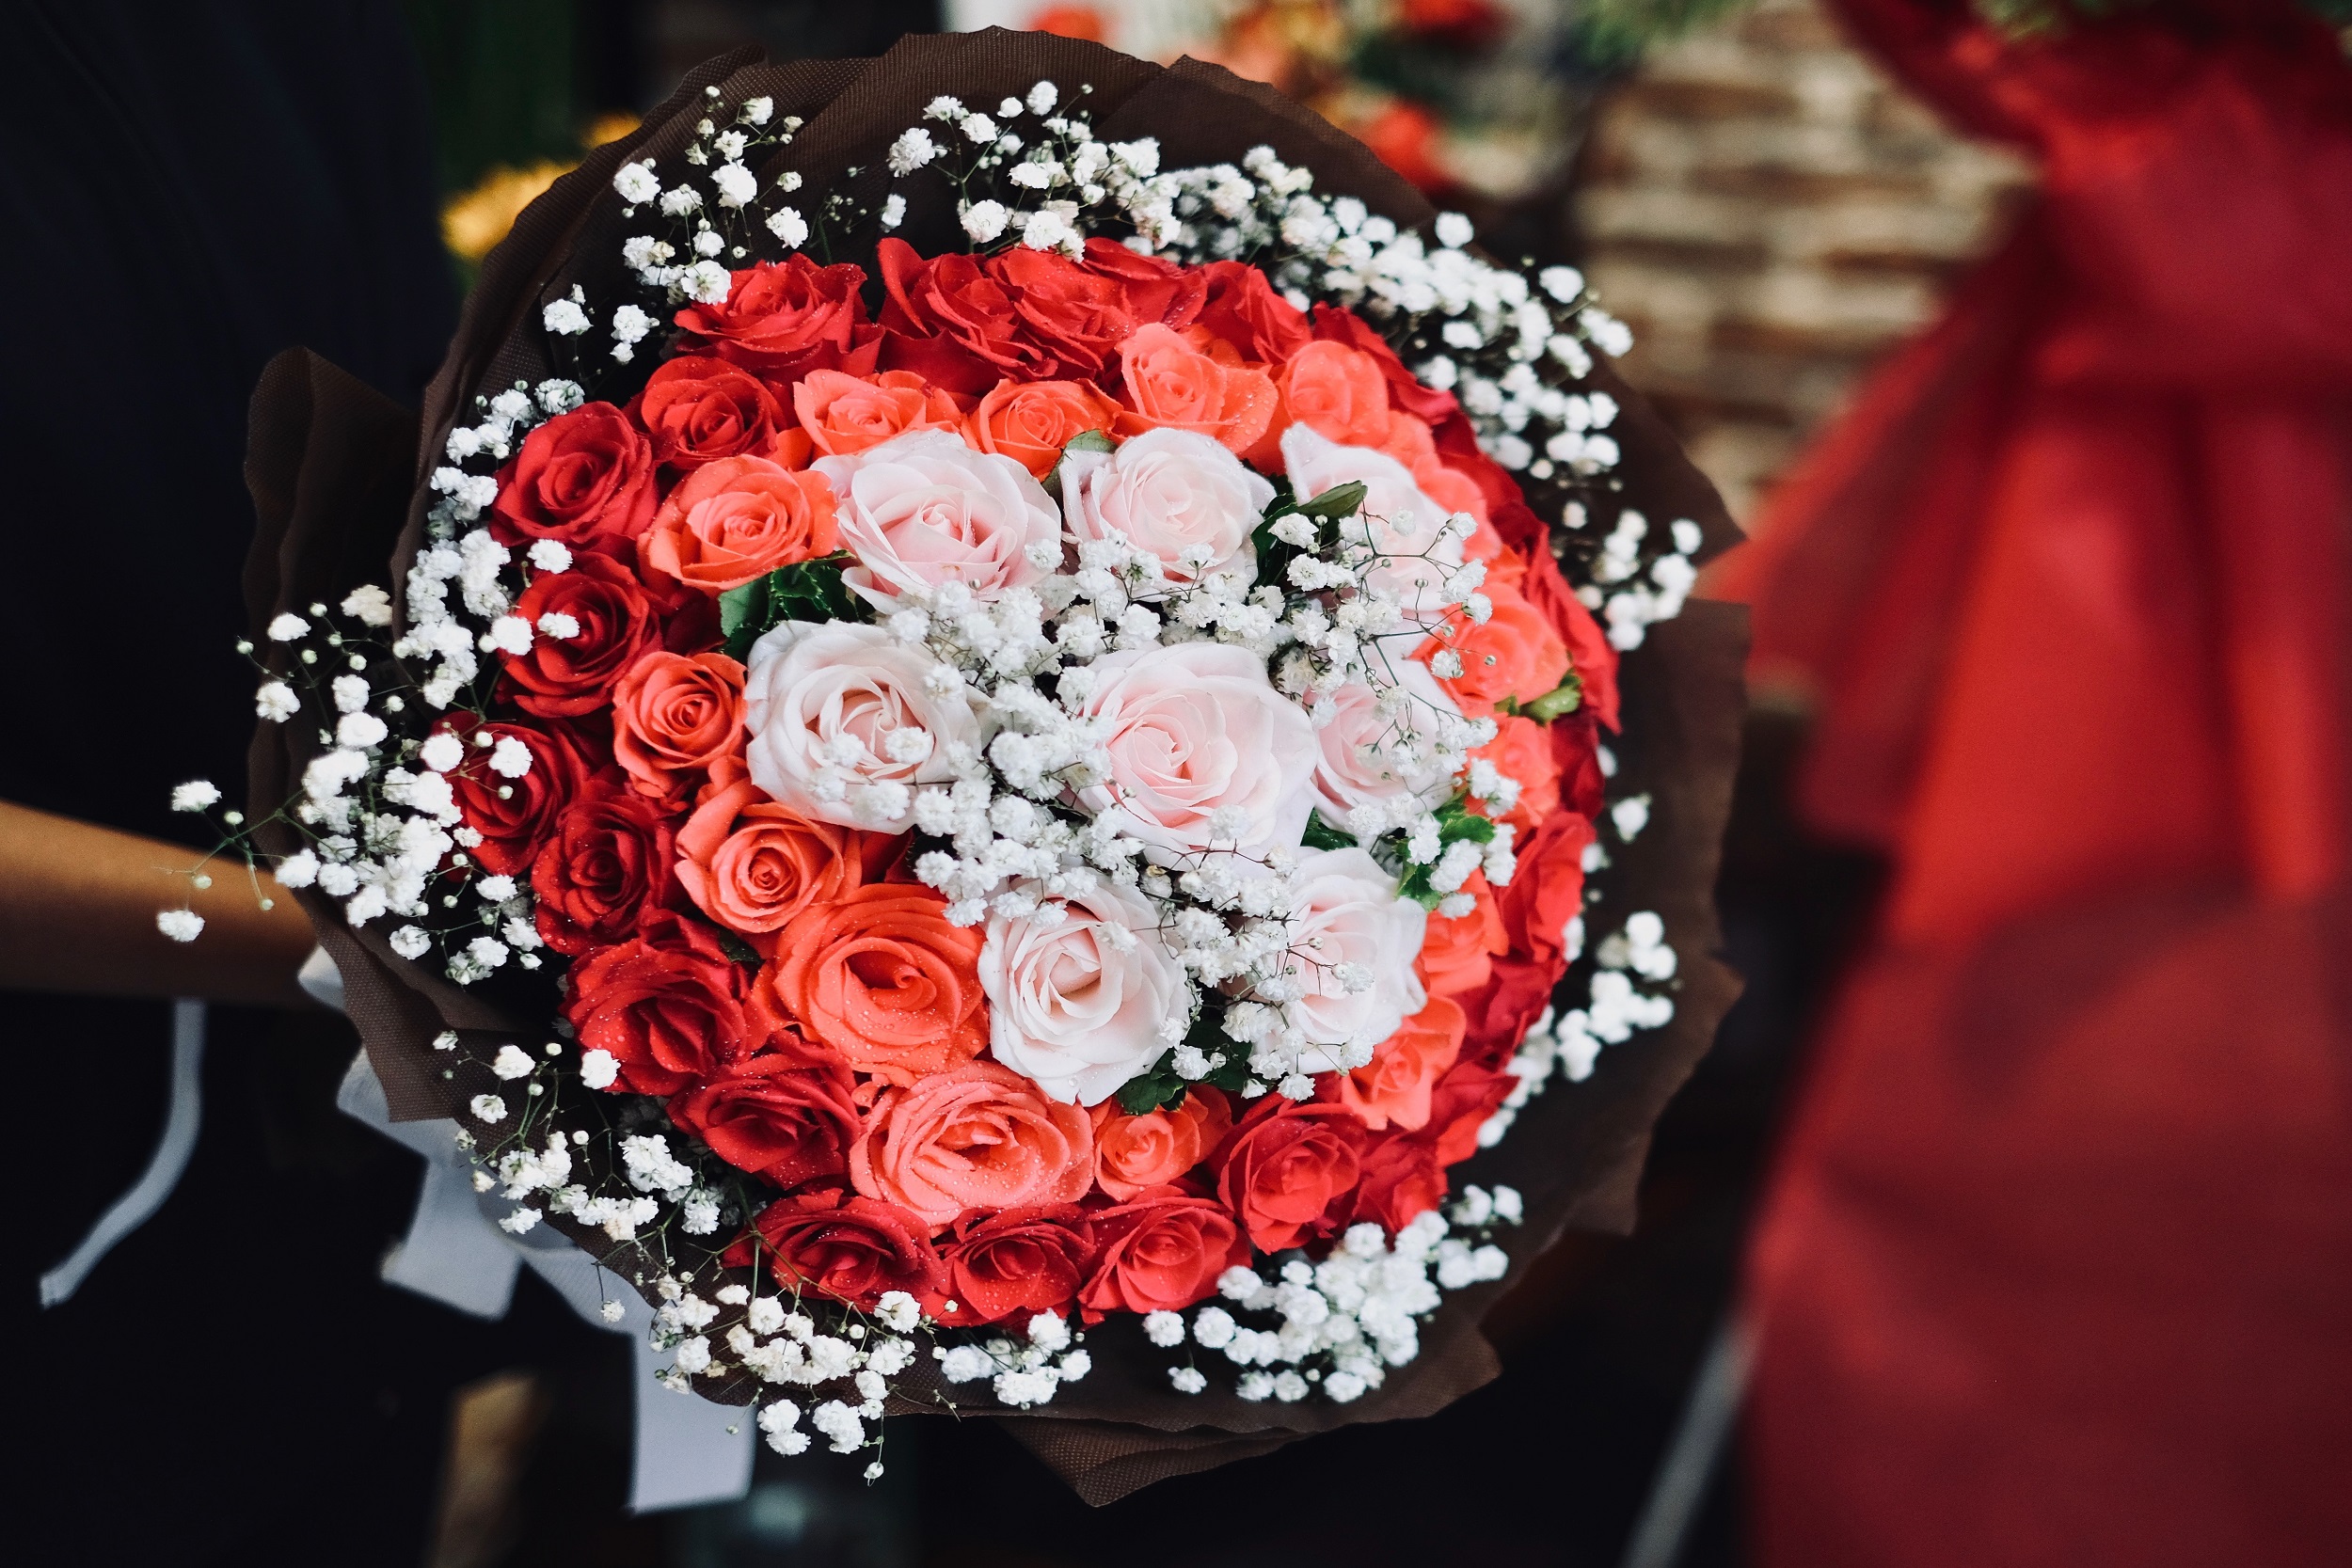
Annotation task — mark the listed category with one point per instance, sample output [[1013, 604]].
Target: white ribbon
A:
[[688, 1449]]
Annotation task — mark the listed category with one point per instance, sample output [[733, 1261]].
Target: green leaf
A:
[[1088, 440], [1341, 501], [737, 950], [1147, 1092], [741, 606], [1322, 835], [1566, 698], [805, 591]]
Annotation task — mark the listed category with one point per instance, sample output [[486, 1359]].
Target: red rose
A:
[[1161, 1252], [605, 864], [1149, 289], [1589, 650], [1576, 751], [1014, 1263], [514, 816], [782, 319], [1546, 893], [564, 676], [851, 1248], [1286, 1169], [1076, 314], [1243, 309], [784, 1114], [669, 1006], [584, 477], [698, 410], [954, 325], [1402, 1180]]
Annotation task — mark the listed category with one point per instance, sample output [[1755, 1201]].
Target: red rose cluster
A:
[[803, 1003]]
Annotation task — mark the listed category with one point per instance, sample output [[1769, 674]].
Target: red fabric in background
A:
[[2057, 1265]]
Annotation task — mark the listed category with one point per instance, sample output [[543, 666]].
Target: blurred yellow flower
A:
[[473, 222]]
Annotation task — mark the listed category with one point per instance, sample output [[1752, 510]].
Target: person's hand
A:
[[78, 914]]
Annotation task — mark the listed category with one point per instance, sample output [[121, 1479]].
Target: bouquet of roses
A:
[[988, 750]]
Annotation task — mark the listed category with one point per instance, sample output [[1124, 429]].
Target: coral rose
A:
[[1161, 1251], [1522, 751], [605, 864], [584, 477], [785, 1116], [1011, 1264], [752, 865], [1514, 654], [881, 977], [1178, 496], [1346, 909], [1077, 1004], [1203, 750], [851, 1248], [1393, 1089], [1457, 953], [670, 1006], [925, 510], [513, 815], [1336, 392], [977, 1137], [1030, 422], [782, 319], [561, 677], [1593, 657], [697, 410], [843, 414], [1191, 381], [817, 694], [1134, 1153], [673, 717], [1337, 323], [1402, 1180], [737, 520], [1286, 1169]]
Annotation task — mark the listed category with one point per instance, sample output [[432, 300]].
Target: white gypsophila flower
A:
[[276, 702], [1187, 1380], [411, 941], [1164, 1329], [549, 555], [511, 757], [179, 925], [706, 282], [1042, 98], [914, 149], [737, 185], [635, 183], [986, 221], [299, 869], [679, 201], [598, 1069], [287, 628], [787, 225], [195, 795], [488, 1107], [369, 605], [897, 1311], [513, 1061], [360, 730], [442, 751], [565, 318], [894, 211]]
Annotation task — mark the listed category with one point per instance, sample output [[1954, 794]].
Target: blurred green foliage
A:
[[505, 82]]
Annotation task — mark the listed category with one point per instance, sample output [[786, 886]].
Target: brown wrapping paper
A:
[[337, 482]]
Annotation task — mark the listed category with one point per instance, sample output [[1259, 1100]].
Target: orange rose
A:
[[737, 520], [1457, 953], [673, 717], [1191, 381], [1522, 749], [752, 865], [844, 414], [1031, 422], [980, 1137], [1515, 653], [1336, 392], [1392, 1089], [1153, 1150], [881, 977]]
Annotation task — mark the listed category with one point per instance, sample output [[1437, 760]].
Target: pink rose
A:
[[979, 1136], [923, 510], [1203, 752], [1368, 755], [1178, 496], [1077, 1004], [1346, 912], [840, 727], [1413, 533]]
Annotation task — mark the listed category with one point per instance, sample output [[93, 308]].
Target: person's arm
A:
[[78, 914]]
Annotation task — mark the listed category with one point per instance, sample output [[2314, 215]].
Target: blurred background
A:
[[1770, 216]]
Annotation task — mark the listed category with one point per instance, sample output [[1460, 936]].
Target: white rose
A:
[[1359, 762], [1166, 492], [840, 726], [1077, 1006], [1347, 911], [1198, 740], [1398, 520], [923, 509]]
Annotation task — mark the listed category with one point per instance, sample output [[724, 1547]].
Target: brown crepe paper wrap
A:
[[337, 473]]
